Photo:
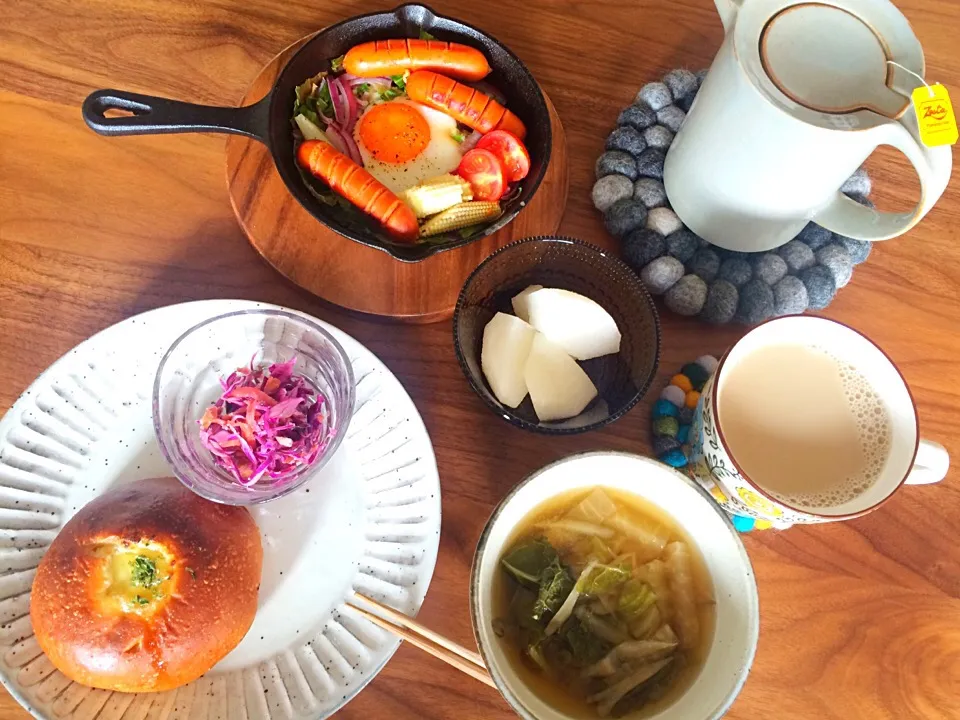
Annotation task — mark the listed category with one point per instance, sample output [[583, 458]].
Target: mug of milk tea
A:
[[806, 420], [798, 96]]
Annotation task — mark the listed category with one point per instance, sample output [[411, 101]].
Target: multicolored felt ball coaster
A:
[[672, 416]]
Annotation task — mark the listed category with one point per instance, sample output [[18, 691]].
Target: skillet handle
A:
[[155, 115]]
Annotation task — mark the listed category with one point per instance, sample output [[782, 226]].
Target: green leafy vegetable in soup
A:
[[605, 604], [555, 585]]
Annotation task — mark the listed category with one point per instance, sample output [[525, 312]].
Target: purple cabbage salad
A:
[[268, 423]]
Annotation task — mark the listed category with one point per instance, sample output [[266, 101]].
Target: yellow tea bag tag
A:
[[938, 124]]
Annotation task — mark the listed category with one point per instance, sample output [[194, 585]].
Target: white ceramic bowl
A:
[[738, 617]]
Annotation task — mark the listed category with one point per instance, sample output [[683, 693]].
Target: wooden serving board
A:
[[352, 275]]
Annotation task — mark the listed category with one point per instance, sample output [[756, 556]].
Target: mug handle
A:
[[933, 165], [930, 465]]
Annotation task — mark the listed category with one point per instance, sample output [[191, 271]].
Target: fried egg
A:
[[403, 143]]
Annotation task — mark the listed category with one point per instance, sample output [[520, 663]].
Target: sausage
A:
[[358, 186], [394, 57], [468, 106]]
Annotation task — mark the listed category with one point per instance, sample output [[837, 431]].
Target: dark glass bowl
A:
[[556, 262]]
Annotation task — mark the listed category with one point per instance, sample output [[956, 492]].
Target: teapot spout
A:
[[728, 10]]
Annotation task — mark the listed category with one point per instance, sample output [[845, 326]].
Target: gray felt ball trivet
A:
[[625, 215], [641, 247], [696, 278], [665, 221], [638, 116], [650, 163], [859, 250], [628, 139], [609, 189], [790, 296], [655, 96], [682, 82], [650, 192], [769, 268], [687, 296], [820, 285], [662, 274], [722, 300], [681, 243], [756, 302], [658, 137], [837, 260], [616, 162], [705, 264], [735, 271]]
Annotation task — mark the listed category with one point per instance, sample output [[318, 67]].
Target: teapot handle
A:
[[933, 164], [728, 10]]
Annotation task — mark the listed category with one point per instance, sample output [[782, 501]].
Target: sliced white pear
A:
[[503, 357], [519, 302], [574, 322], [559, 388]]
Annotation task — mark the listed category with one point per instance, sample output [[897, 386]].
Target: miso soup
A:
[[603, 605]]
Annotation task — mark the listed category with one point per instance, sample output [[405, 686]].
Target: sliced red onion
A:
[[336, 138], [345, 143], [344, 105], [355, 80], [354, 151], [470, 142]]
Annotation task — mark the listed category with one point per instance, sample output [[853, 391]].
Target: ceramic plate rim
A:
[[217, 306]]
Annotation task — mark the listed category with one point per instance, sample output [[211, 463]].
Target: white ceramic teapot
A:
[[799, 95]]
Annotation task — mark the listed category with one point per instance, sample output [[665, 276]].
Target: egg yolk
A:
[[132, 577], [394, 132]]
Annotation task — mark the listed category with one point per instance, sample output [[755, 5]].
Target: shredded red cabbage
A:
[[268, 423]]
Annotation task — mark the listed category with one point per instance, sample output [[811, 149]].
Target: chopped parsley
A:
[[390, 94], [141, 600], [145, 572], [400, 81], [458, 135]]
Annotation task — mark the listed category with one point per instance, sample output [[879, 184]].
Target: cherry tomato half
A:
[[511, 151], [485, 173]]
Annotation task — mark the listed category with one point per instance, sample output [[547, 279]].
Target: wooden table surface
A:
[[859, 620]]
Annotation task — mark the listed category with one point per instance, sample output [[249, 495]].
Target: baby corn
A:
[[436, 195], [460, 216]]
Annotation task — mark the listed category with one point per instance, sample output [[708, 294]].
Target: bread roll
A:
[[147, 587]]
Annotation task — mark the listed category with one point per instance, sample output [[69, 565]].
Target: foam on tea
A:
[[805, 426]]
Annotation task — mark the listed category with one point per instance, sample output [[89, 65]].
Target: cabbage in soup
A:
[[604, 605]]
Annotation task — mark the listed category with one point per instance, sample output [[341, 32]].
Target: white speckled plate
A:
[[369, 522]]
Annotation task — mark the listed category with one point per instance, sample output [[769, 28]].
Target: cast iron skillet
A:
[[269, 120]]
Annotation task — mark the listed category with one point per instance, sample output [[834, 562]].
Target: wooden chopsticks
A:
[[424, 638]]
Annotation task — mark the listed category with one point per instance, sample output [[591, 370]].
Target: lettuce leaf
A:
[[555, 585], [527, 560], [586, 647], [602, 579], [635, 597]]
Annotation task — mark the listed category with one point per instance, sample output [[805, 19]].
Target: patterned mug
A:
[[909, 459]]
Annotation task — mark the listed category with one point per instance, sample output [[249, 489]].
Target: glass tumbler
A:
[[188, 382]]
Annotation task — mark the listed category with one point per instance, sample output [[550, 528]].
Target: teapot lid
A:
[[832, 59]]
